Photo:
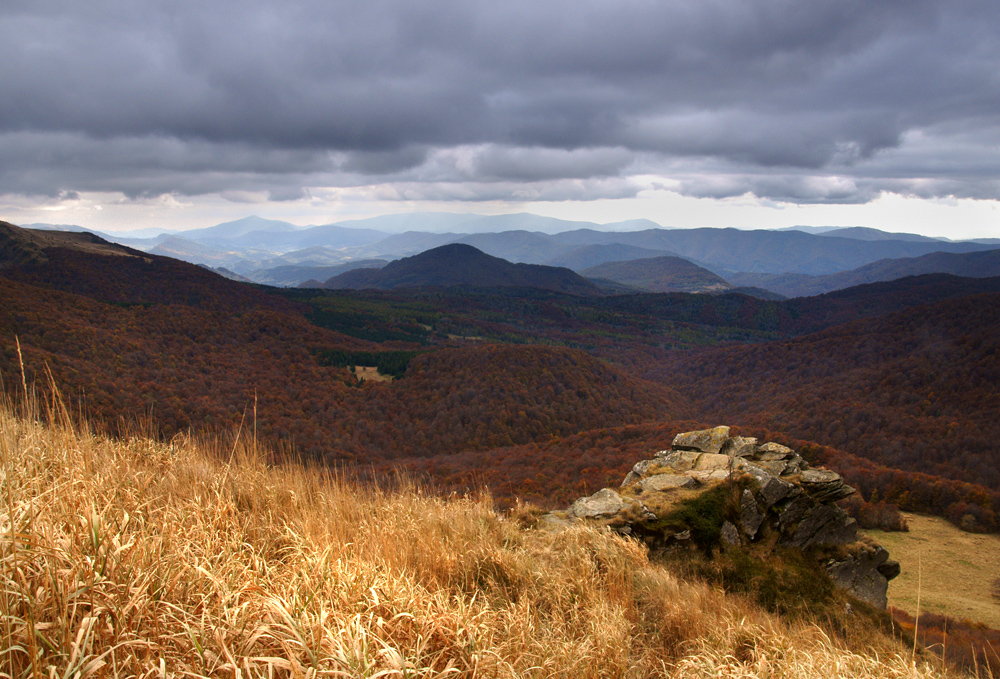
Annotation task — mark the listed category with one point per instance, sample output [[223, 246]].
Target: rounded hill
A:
[[660, 274], [457, 264]]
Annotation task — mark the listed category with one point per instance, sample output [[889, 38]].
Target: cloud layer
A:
[[818, 101]]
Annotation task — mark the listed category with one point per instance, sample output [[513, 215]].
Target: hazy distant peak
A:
[[240, 227], [860, 233], [816, 230], [443, 222], [634, 225], [870, 234], [257, 223]]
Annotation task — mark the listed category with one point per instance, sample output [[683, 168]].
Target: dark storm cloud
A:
[[385, 162], [195, 97], [49, 163], [535, 164]]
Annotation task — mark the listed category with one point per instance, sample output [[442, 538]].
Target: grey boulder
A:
[[703, 441], [604, 502]]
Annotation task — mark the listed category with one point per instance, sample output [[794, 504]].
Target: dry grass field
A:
[[956, 570], [370, 373], [137, 558]]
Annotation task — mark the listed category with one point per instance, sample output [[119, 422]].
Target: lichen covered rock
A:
[[661, 482], [603, 503], [739, 446], [703, 441]]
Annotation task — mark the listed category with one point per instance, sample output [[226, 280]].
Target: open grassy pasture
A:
[[956, 570]]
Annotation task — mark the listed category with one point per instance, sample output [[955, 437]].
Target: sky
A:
[[126, 114]]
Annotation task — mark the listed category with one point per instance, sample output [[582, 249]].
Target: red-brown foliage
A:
[[968, 645], [914, 390], [877, 515], [202, 368], [553, 473]]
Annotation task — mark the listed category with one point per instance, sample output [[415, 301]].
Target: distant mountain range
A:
[[869, 234], [984, 264], [787, 262]]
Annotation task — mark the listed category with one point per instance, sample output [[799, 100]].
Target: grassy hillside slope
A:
[[950, 570], [134, 558]]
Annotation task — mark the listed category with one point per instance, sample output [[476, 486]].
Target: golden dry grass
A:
[[370, 373], [956, 568], [136, 558]]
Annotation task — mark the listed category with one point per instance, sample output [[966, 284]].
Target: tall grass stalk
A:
[[128, 557], [916, 618]]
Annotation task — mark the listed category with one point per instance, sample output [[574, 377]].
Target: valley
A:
[[469, 374], [889, 383]]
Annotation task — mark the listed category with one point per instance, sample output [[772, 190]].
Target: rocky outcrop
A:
[[865, 573], [778, 501], [822, 524], [751, 515]]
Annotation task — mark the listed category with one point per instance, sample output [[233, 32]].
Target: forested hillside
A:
[[538, 394], [659, 274], [914, 390], [189, 367], [458, 264]]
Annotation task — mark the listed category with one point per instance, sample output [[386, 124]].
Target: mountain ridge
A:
[[23, 247], [538, 240], [980, 264], [84, 264]]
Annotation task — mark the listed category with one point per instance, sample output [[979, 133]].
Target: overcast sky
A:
[[747, 113]]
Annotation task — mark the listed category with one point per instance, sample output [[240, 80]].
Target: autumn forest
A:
[[538, 395]]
